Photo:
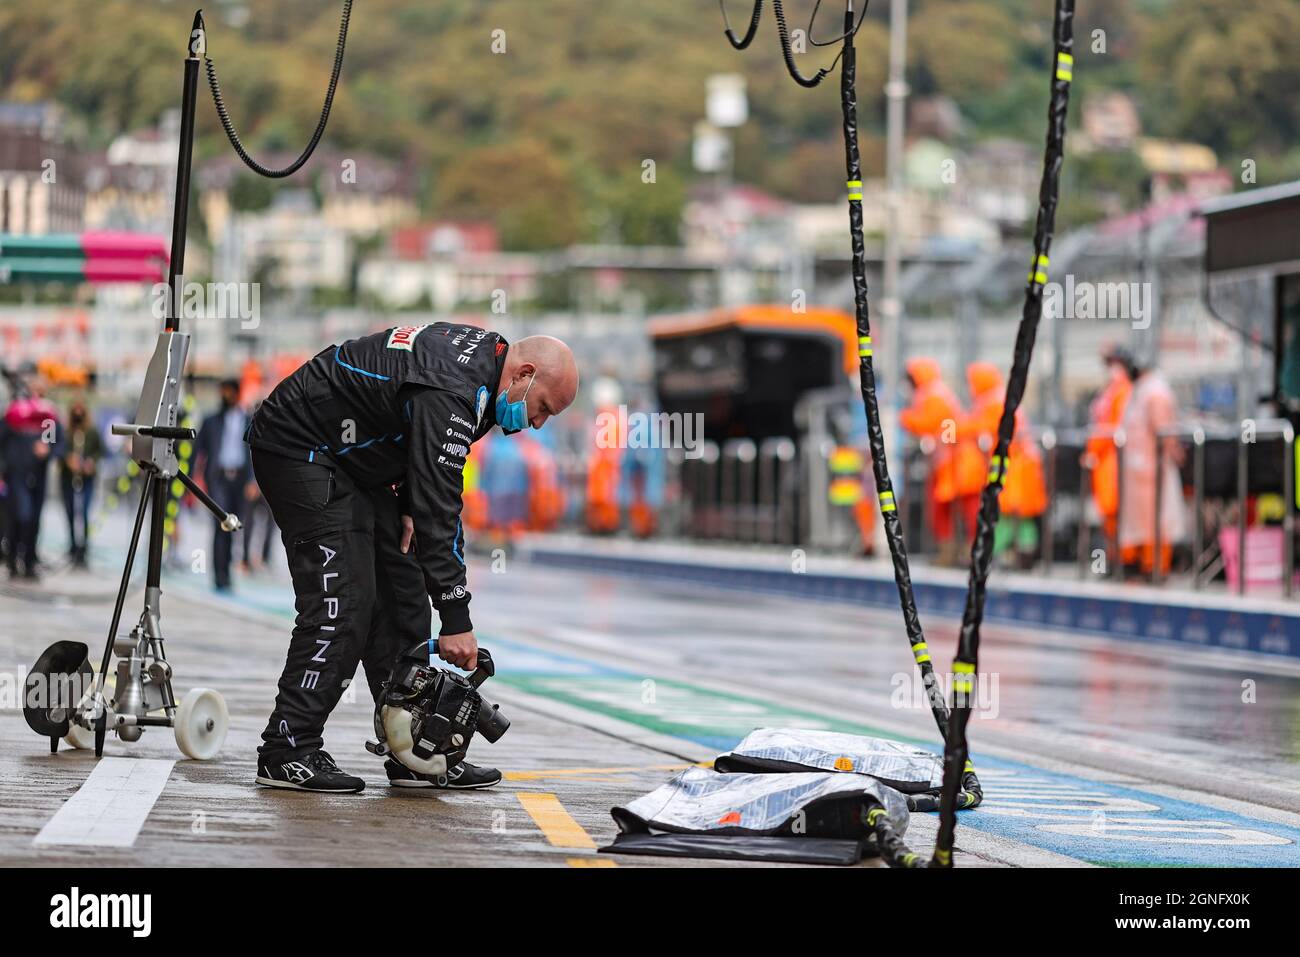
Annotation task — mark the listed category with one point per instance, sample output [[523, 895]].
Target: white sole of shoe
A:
[[290, 786], [446, 787]]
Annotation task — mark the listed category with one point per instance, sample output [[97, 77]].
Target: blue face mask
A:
[[513, 416]]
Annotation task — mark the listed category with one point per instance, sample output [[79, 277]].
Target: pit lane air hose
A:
[[228, 125], [966, 662], [971, 794], [740, 44]]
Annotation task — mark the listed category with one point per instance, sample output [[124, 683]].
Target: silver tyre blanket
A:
[[902, 766], [702, 801]]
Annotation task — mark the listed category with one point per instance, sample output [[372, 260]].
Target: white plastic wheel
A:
[[201, 724], [83, 739]]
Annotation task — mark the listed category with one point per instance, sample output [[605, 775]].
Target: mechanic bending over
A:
[[360, 455]]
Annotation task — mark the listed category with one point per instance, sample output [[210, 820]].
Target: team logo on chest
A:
[[403, 337]]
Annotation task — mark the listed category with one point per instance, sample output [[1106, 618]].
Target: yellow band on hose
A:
[[1064, 66], [962, 685], [995, 468], [920, 650], [855, 189], [943, 857], [864, 345], [1038, 273], [887, 502]]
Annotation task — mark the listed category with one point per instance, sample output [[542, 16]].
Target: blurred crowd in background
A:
[[57, 455], [693, 249]]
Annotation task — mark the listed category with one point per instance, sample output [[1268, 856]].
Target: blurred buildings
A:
[[129, 186], [344, 246], [41, 176]]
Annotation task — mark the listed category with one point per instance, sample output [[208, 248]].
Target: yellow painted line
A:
[[554, 821], [591, 862], [577, 772]]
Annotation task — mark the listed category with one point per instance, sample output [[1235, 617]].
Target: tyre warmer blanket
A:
[[794, 816], [897, 765]]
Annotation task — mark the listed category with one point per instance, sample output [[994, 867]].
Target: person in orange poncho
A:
[[604, 473], [1024, 491], [956, 469], [1105, 415]]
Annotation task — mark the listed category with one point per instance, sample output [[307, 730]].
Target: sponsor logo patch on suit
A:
[[403, 337]]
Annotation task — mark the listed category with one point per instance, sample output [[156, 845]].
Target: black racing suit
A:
[[364, 432]]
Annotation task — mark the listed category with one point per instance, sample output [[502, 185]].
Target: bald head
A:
[[544, 367]]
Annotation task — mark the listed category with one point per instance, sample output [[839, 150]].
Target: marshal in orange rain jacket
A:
[[958, 469], [1024, 491]]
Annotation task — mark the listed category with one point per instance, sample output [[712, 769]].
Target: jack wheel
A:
[[83, 739], [201, 724]]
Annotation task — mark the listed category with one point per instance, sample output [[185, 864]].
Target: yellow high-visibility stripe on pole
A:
[[965, 683], [1038, 273], [995, 468]]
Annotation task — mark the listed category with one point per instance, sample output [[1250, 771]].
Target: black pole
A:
[[966, 663], [184, 158], [207, 501], [146, 496], [176, 274], [158, 511], [879, 463]]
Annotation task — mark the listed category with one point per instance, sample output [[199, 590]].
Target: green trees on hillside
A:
[[540, 115], [1227, 75]]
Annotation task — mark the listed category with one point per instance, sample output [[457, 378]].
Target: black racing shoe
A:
[[316, 772], [462, 777]]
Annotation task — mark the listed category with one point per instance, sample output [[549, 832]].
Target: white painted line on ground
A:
[[111, 807]]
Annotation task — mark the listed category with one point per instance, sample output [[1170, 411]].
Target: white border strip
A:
[[109, 809]]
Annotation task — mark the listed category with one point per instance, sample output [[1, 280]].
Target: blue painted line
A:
[[1276, 635], [1161, 831]]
